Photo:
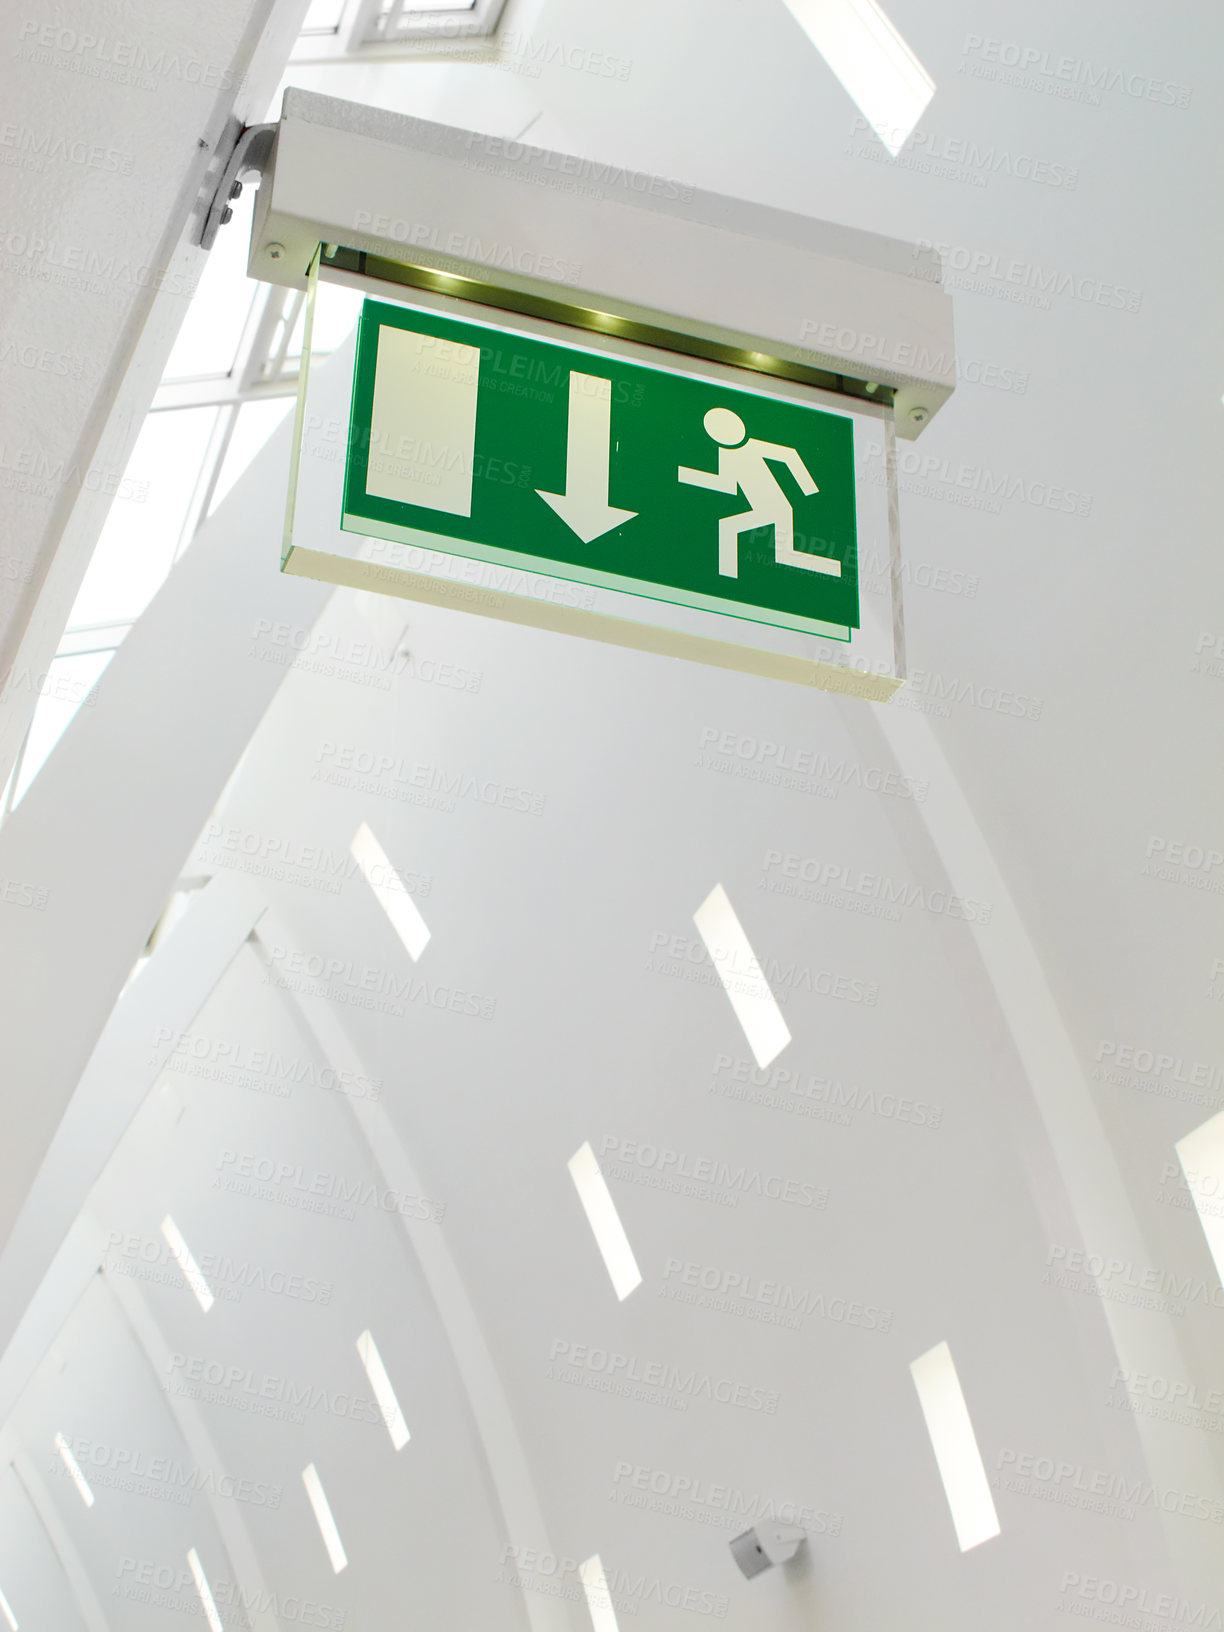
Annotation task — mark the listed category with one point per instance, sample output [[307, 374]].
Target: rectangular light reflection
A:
[[74, 1471], [605, 1222], [6, 1611], [323, 1517], [956, 1449], [383, 1392], [391, 891], [191, 1270], [599, 1599], [873, 62], [741, 976], [1201, 1155], [205, 1592]]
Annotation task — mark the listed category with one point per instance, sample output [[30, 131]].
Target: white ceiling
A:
[[496, 1320]]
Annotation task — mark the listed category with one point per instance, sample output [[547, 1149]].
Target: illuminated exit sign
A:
[[582, 465]]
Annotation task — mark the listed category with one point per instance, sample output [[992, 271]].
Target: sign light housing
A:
[[750, 312], [596, 246]]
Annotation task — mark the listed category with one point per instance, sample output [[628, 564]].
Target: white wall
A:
[[111, 118], [962, 1229]]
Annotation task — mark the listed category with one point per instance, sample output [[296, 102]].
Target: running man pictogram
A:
[[743, 467]]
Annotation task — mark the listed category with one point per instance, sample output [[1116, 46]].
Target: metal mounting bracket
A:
[[248, 155]]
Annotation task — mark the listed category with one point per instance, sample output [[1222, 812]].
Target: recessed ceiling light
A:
[[605, 1222], [955, 1445], [383, 1392], [873, 62], [391, 891], [74, 1470], [205, 1592], [745, 985], [191, 1270], [599, 1599], [323, 1517], [8, 1613]]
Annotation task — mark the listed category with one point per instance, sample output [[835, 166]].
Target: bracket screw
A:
[[919, 416], [275, 251]]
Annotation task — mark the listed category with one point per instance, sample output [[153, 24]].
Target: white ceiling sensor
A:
[[391, 892], [323, 1518], [1201, 1154], [889, 85], [742, 979], [205, 1591], [7, 1612], [383, 1392], [192, 1273], [605, 1222], [599, 1599], [74, 1470], [955, 1445]]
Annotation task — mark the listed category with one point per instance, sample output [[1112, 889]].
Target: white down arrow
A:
[[584, 507]]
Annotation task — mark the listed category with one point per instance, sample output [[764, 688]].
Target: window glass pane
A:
[[335, 319], [256, 422], [207, 343], [141, 535], [323, 16], [68, 682], [405, 19]]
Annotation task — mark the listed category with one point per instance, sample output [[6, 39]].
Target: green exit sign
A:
[[580, 465]]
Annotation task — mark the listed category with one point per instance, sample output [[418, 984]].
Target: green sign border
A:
[[375, 314]]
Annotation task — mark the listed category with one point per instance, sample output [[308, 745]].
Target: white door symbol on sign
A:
[[743, 468]]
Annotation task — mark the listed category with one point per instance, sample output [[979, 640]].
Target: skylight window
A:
[[599, 1599], [391, 17], [605, 1222], [737, 968], [369, 29], [149, 518], [383, 1392], [390, 891], [882, 75], [66, 684], [74, 1470], [1201, 1154], [205, 1591], [206, 346], [396, 22], [323, 1517], [323, 16], [255, 423], [191, 1270], [955, 1445]]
